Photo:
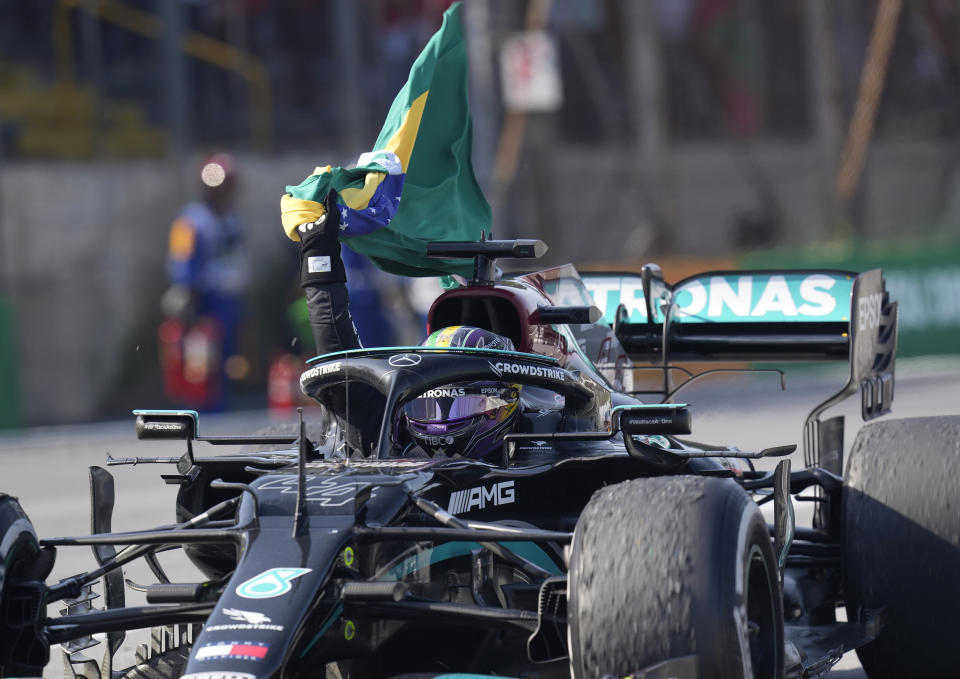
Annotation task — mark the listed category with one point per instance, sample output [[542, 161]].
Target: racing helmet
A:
[[465, 419]]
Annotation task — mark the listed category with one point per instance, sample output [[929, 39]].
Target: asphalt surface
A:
[[47, 468]]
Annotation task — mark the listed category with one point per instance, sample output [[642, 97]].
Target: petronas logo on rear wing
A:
[[731, 315], [732, 297]]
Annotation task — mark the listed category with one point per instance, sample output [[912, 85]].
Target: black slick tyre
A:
[[23, 567], [901, 544], [677, 570]]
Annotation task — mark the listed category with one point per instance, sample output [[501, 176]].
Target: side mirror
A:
[[574, 315], [166, 424], [669, 419]]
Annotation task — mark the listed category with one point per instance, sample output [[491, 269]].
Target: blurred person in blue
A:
[[208, 270]]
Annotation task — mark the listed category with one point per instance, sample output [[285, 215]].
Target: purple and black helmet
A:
[[468, 419]]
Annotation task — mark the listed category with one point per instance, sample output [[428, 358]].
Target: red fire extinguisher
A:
[[283, 383], [190, 361], [170, 335]]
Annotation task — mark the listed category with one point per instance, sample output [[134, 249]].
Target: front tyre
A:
[[674, 569], [23, 567]]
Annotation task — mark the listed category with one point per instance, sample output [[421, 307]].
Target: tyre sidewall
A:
[[721, 527], [725, 649]]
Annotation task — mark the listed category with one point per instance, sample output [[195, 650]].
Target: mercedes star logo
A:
[[404, 360]]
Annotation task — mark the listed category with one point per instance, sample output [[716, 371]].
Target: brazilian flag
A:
[[417, 185]]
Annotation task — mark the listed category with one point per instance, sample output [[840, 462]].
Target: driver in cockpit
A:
[[464, 419]]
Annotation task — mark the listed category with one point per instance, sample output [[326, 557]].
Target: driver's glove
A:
[[320, 248]]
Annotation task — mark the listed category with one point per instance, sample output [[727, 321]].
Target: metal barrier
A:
[[197, 45]]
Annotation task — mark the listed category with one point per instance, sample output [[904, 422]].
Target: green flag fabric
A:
[[418, 184]]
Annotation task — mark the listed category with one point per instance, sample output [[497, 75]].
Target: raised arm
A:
[[324, 279]]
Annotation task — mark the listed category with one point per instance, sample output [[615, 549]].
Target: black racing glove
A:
[[320, 248]]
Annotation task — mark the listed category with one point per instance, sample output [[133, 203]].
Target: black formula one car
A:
[[598, 542]]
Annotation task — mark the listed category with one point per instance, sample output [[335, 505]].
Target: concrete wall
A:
[[83, 258], [585, 214]]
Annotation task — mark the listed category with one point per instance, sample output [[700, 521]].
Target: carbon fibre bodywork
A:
[[356, 554]]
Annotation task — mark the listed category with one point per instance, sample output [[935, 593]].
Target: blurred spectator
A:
[[207, 266]]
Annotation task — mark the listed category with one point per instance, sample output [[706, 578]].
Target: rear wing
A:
[[801, 315], [730, 315]]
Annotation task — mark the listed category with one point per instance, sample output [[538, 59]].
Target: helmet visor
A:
[[445, 404]]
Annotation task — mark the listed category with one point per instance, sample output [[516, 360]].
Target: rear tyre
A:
[[674, 568], [901, 547]]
